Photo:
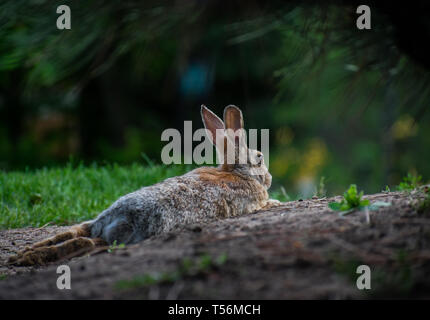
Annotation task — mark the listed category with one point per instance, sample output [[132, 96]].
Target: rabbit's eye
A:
[[259, 158]]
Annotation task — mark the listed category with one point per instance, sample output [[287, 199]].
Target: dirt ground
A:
[[300, 250]]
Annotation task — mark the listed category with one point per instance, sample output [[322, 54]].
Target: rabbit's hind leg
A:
[[81, 230], [66, 250], [119, 231]]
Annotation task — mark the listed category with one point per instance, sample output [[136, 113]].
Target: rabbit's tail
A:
[[74, 242]]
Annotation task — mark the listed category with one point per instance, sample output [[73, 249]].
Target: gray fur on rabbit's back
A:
[[194, 197]]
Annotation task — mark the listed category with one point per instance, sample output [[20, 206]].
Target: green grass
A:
[[280, 194], [116, 246], [410, 182], [71, 194]]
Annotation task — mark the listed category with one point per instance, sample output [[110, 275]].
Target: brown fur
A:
[[41, 253], [217, 176], [81, 230], [70, 243]]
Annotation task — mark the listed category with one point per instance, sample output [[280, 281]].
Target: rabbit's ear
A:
[[211, 122], [233, 118]]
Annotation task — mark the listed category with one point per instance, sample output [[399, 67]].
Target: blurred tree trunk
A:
[[388, 118], [113, 105], [90, 115]]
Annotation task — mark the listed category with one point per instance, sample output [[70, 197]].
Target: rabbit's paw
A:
[[272, 203], [38, 256], [27, 258]]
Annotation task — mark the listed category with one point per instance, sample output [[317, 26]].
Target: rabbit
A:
[[232, 189]]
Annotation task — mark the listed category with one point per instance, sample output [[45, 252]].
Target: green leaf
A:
[[336, 206], [351, 201], [364, 203]]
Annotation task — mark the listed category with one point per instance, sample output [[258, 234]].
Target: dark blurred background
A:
[[341, 103]]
